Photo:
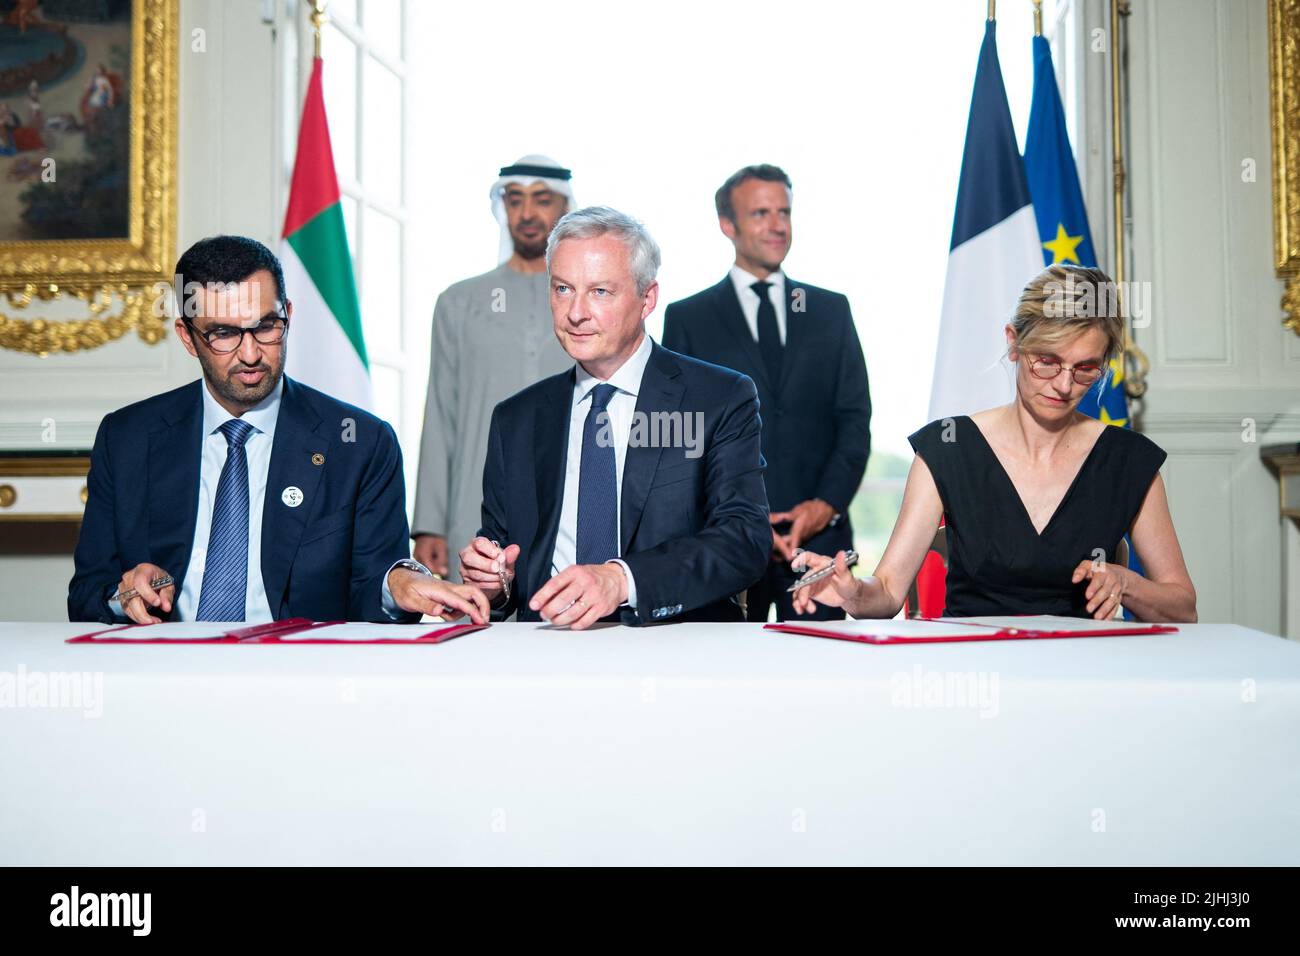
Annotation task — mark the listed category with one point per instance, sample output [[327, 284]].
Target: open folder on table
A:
[[940, 630], [296, 630]]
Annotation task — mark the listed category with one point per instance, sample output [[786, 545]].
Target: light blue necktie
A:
[[597, 485], [225, 575]]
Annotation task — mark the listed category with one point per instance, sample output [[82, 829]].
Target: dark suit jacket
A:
[[693, 530], [324, 560], [817, 419]]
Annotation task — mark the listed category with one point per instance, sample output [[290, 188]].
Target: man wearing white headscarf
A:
[[492, 336]]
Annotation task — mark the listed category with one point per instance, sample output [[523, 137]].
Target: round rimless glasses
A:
[[1047, 369], [224, 339]]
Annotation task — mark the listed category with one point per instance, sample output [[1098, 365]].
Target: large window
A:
[[366, 81], [865, 105]]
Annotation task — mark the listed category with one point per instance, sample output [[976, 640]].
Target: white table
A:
[[681, 744]]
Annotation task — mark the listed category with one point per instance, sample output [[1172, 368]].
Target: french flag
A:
[[995, 251]]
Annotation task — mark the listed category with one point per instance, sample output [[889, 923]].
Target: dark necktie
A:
[[597, 484], [769, 339], [225, 572]]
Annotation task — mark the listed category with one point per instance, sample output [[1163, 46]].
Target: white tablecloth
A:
[[681, 744]]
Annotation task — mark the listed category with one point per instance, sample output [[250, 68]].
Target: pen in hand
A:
[[812, 577], [121, 597], [505, 578]]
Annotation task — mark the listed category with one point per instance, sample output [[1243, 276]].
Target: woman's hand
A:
[[1106, 588], [835, 590]]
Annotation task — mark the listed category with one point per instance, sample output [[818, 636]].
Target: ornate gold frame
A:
[[1284, 99], [97, 270]]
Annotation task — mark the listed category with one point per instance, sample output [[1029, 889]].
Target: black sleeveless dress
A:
[[997, 562]]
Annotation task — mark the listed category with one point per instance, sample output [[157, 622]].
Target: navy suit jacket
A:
[[693, 530], [817, 418], [325, 559]]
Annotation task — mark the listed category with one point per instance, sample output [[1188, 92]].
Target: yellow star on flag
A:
[[1064, 246], [1105, 419]]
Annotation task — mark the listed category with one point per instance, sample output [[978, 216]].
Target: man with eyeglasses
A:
[[247, 496]]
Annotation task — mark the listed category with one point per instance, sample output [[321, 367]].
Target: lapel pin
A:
[[292, 496], [318, 459]]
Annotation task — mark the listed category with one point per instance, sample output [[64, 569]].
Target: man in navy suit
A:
[[629, 488], [799, 344], [260, 497]]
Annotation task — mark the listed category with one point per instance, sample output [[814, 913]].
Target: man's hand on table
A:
[[420, 593], [581, 595]]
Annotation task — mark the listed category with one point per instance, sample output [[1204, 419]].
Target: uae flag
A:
[[994, 252], [326, 348]]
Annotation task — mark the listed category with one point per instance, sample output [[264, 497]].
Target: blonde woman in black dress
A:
[[1035, 495]]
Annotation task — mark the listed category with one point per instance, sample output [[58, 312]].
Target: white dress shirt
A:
[[262, 417], [742, 280], [257, 447], [627, 381]]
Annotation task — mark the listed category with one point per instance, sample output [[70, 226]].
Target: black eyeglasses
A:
[[1047, 369], [224, 339]]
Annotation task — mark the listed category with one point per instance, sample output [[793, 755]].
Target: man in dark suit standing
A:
[[260, 497], [629, 488], [799, 344]]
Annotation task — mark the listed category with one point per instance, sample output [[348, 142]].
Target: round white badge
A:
[[292, 496]]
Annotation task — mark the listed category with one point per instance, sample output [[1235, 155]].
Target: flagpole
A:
[[993, 9], [1038, 18], [1136, 364], [318, 21]]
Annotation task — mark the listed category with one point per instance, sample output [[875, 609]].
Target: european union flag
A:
[[1059, 210], [1063, 222]]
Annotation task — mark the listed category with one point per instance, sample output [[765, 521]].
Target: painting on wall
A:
[[65, 131], [87, 157]]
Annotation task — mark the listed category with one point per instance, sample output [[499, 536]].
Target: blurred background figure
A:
[[492, 335]]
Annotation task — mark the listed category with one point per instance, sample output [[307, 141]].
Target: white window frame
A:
[[391, 356]]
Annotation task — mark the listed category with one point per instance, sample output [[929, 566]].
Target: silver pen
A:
[[812, 577], [121, 597], [505, 578]]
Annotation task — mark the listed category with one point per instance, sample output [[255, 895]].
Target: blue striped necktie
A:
[[225, 573], [597, 485]]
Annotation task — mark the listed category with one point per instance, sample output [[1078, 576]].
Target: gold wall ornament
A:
[[102, 271], [1284, 103], [44, 336]]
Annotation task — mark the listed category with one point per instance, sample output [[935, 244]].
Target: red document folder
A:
[[955, 629], [275, 632]]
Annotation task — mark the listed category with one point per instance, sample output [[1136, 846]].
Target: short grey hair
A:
[[594, 221]]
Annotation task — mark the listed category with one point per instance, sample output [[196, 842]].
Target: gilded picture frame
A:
[[1284, 102], [127, 248]]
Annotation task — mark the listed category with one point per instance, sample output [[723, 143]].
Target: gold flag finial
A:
[[318, 20], [1038, 18]]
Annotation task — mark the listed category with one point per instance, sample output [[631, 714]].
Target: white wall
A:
[[229, 150], [1220, 360]]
